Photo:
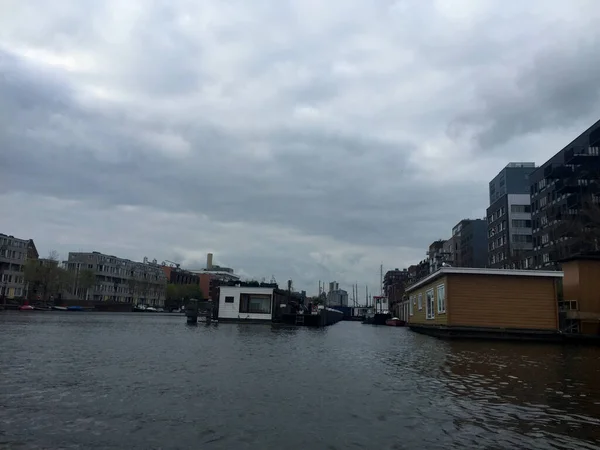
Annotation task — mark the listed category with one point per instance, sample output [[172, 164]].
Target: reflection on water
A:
[[149, 381]]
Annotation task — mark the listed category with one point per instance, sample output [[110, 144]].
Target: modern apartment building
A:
[[470, 236], [509, 217], [14, 253], [118, 279], [563, 192]]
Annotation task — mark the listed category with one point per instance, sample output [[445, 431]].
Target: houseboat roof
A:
[[476, 271], [593, 256]]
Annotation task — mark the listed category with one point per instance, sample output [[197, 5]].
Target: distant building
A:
[[450, 250], [176, 275], [118, 280], [438, 254], [563, 190], [14, 253], [394, 284], [471, 240], [213, 276], [336, 296], [509, 217]]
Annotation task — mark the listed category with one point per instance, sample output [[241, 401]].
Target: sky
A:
[[303, 140]]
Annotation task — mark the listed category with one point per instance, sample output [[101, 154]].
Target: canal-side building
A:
[[509, 217], [470, 237], [117, 279], [14, 253], [246, 304], [475, 300], [563, 191]]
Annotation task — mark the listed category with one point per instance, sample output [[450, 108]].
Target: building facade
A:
[[394, 283], [14, 253], [509, 230], [564, 190], [437, 256], [470, 237], [117, 279]]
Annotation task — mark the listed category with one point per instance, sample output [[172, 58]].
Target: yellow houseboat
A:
[[498, 303]]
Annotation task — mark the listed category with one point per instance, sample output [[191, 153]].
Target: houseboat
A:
[[246, 304], [493, 303]]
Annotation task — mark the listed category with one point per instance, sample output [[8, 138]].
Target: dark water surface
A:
[[144, 381]]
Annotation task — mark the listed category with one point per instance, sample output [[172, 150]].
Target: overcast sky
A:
[[301, 139]]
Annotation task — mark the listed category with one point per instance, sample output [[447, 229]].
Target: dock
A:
[[322, 318]]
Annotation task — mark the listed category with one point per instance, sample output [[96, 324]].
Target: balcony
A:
[[559, 172], [573, 201], [582, 155]]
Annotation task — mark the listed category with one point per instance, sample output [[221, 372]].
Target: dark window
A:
[[255, 303], [228, 299], [520, 208]]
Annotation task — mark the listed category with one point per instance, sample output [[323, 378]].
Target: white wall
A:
[[232, 310]]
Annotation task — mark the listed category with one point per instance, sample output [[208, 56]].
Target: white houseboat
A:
[[246, 304]]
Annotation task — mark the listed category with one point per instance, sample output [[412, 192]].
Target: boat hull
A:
[[395, 323]]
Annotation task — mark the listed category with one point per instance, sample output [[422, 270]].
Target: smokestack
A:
[[209, 264]]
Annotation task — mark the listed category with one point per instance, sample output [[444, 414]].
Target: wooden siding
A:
[[419, 316], [582, 283], [502, 301]]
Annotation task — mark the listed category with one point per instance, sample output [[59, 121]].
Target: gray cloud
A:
[[305, 149]]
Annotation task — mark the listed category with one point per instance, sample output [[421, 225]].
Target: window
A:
[[255, 303], [411, 304], [545, 239], [229, 299], [441, 299], [420, 297], [430, 304], [520, 208], [518, 223], [522, 238]]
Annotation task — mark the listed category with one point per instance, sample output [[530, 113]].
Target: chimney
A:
[[209, 264]]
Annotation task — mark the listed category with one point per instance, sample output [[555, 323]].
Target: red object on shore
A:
[[395, 322]]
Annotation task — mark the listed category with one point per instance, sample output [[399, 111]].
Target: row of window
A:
[[13, 242], [5, 290], [520, 208], [416, 301], [12, 254], [498, 257], [9, 278], [497, 214]]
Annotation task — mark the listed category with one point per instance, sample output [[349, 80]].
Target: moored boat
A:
[[395, 322], [59, 308], [75, 308], [26, 308]]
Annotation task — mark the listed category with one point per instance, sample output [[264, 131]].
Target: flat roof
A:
[[582, 257], [476, 271]]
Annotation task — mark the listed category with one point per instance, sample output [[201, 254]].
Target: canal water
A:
[[145, 381]]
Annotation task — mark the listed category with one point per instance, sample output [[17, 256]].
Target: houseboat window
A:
[[255, 304], [228, 299], [411, 303], [420, 302], [441, 298], [430, 304]]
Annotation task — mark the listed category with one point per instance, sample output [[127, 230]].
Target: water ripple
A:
[[95, 381]]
